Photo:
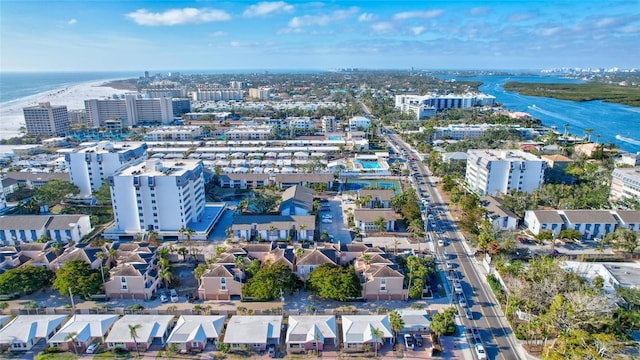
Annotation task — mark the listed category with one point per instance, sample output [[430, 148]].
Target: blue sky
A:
[[65, 35]]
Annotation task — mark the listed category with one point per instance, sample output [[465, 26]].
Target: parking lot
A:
[[338, 227]]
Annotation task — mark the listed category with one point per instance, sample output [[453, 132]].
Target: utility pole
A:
[[73, 305]]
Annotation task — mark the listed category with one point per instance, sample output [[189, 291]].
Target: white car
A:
[[409, 342], [164, 298], [327, 221], [449, 265], [92, 348], [440, 242], [480, 352], [327, 216], [174, 295]]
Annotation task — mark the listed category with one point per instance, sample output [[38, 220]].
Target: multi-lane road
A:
[[487, 316]]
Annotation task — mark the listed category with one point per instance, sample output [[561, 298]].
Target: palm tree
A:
[[133, 332], [100, 255], [56, 247], [187, 232], [588, 132], [166, 276], [377, 335], [303, 229], [112, 255], [183, 252], [598, 136], [71, 336], [152, 237], [396, 322]]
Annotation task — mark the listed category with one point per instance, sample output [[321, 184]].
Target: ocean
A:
[[18, 86], [607, 119]]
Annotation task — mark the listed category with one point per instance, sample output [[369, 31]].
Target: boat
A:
[[628, 140]]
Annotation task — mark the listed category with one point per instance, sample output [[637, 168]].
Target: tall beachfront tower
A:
[[158, 195], [498, 171], [3, 200], [47, 119], [91, 165], [131, 108]]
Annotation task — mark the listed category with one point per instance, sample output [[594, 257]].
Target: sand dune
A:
[[11, 117]]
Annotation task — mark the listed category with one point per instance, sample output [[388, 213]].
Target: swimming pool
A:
[[334, 138], [368, 164]]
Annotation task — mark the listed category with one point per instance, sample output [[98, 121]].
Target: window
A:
[[383, 284], [223, 284]]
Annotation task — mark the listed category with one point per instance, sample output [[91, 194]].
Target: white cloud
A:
[[266, 8], [364, 17], [218, 34], [521, 17], [421, 14], [72, 22], [479, 11], [417, 30], [549, 31], [177, 16], [382, 27], [322, 20]]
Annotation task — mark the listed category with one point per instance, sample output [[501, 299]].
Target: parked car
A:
[[91, 349], [419, 340], [174, 295], [327, 221], [449, 265], [164, 298], [480, 352], [468, 313], [476, 334], [327, 216], [440, 242], [462, 301], [457, 287], [409, 342]]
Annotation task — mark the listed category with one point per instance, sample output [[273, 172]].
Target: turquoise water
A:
[[368, 164], [607, 119], [335, 138]]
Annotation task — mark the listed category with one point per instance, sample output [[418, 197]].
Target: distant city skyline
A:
[[181, 35]]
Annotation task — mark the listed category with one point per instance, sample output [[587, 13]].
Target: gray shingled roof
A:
[[371, 215], [589, 217], [380, 194], [629, 216], [548, 217]]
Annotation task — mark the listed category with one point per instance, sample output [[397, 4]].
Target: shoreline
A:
[[12, 117]]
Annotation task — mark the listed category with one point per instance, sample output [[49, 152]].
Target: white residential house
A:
[[83, 329], [501, 218], [195, 332], [30, 228], [366, 219], [91, 165], [591, 223], [159, 195], [539, 220], [498, 171], [150, 329], [253, 332], [316, 332], [357, 331], [24, 331]]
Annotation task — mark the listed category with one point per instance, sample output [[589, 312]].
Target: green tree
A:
[[377, 337], [335, 282], [183, 251], [625, 239], [72, 336], [268, 282], [78, 276], [26, 279], [570, 234], [54, 192], [379, 224], [443, 323], [263, 202], [200, 270], [396, 322], [103, 195]]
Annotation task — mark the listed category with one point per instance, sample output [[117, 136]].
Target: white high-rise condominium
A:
[[498, 171], [90, 166], [625, 184], [3, 200], [158, 195], [47, 119], [135, 110]]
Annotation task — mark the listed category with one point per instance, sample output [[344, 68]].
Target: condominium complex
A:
[[470, 131], [77, 116], [217, 95], [132, 108], [260, 94], [3, 200], [441, 102], [329, 124], [300, 123], [250, 132], [498, 171], [47, 119], [91, 165], [625, 184], [174, 133], [158, 195], [359, 122]]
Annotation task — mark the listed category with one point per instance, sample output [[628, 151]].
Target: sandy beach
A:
[[11, 117]]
